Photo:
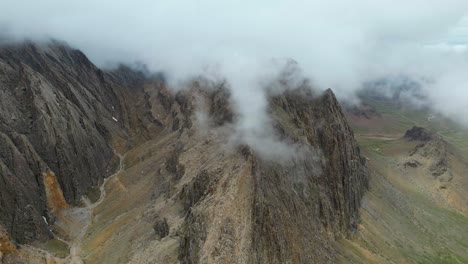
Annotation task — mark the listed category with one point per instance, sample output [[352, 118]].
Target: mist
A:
[[338, 44]]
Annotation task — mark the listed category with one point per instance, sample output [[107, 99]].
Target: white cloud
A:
[[339, 44]]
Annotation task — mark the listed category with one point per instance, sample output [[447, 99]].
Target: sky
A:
[[338, 44]]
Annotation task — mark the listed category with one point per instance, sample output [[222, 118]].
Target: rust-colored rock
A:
[[6, 247], [55, 200]]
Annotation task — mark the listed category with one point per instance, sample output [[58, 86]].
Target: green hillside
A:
[[409, 215]]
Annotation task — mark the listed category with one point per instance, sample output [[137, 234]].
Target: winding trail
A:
[[75, 246], [378, 136], [81, 215]]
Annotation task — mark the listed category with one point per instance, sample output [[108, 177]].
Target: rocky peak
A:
[[434, 151], [295, 205], [420, 134]]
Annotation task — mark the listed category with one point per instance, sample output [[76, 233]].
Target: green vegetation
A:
[[372, 144], [401, 220], [443, 258], [398, 118], [56, 247], [93, 194]]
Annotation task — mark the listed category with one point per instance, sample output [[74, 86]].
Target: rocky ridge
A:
[[59, 118], [78, 115], [433, 149]]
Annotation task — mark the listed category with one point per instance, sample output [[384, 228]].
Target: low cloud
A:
[[338, 44]]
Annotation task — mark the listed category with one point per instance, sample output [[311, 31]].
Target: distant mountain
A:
[[400, 89]]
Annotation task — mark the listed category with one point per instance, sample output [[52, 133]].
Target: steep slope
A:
[[191, 196], [316, 194], [59, 118]]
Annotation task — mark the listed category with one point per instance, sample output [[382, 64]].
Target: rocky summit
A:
[[114, 166], [420, 134]]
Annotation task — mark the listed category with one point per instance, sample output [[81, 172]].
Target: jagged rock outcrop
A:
[[420, 134], [437, 152], [297, 206], [434, 152], [161, 228], [320, 192]]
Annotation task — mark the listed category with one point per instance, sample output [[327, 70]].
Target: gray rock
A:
[[161, 228], [57, 113], [419, 134], [297, 202]]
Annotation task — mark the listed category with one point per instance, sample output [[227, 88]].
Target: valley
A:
[[410, 215]]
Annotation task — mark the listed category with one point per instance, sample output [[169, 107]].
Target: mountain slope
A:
[[416, 207], [186, 192], [56, 129]]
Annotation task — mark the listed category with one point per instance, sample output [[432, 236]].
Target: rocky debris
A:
[[6, 246], [173, 165], [195, 190], [412, 164], [439, 166], [161, 227], [55, 200], [435, 152], [168, 110], [419, 134]]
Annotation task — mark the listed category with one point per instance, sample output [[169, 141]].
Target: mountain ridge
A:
[[48, 116], [181, 173]]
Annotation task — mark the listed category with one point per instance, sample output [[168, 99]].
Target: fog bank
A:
[[338, 44]]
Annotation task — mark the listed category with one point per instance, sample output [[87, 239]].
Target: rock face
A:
[[161, 228], [61, 118], [297, 207], [309, 196], [435, 151], [420, 134], [59, 114]]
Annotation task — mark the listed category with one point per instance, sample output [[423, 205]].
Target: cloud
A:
[[338, 43]]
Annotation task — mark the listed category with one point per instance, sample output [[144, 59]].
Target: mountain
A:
[[115, 167], [59, 116]]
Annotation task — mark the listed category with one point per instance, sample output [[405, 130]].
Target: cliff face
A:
[[285, 211], [206, 200], [59, 115], [304, 203]]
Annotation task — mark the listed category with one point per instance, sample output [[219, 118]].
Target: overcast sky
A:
[[338, 44]]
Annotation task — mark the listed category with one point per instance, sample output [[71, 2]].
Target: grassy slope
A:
[[396, 120], [401, 222]]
